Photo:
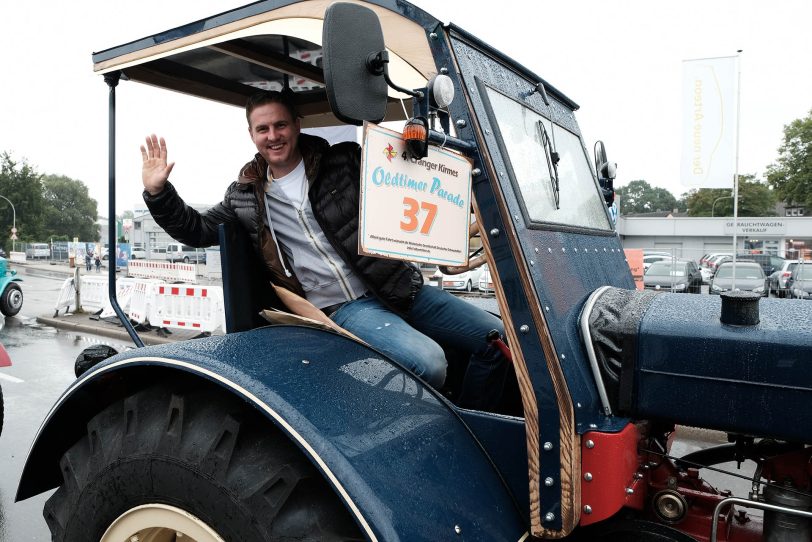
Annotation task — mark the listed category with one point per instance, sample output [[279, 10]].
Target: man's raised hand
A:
[[154, 170]]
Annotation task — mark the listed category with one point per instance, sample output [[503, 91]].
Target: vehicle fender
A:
[[397, 453]]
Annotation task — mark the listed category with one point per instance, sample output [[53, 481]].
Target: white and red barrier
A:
[[66, 297], [93, 292], [197, 308], [17, 257], [170, 272], [179, 306]]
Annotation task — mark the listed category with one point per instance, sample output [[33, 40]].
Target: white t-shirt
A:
[[293, 185]]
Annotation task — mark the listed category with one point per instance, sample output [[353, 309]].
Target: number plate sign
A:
[[416, 210]]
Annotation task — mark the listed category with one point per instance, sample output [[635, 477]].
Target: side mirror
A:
[[352, 40], [606, 171]]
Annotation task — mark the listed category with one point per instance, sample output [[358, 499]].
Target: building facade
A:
[[692, 237]]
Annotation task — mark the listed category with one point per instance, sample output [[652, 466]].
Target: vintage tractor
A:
[[290, 431]]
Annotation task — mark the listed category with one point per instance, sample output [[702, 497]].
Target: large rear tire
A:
[[196, 452], [12, 299]]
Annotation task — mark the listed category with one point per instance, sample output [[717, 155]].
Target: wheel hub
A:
[[159, 523]]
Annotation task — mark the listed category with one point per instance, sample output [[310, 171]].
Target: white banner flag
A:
[[709, 97]]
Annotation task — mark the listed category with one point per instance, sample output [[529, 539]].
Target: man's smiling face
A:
[[275, 133]]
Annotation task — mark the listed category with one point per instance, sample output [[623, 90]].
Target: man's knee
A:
[[432, 365]]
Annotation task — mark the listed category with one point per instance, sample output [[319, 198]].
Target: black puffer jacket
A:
[[334, 174]]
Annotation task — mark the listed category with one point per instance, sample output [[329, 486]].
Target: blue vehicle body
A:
[[367, 424]]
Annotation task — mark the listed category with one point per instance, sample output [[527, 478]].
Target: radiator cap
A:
[[740, 308]]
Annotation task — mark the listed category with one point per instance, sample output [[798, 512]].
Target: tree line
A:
[[46, 206], [788, 180]]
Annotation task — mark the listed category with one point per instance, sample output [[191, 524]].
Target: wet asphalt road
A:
[[42, 368]]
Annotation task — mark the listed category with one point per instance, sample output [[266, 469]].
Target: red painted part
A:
[[500, 344], [5, 359], [661, 474], [795, 466], [608, 470]]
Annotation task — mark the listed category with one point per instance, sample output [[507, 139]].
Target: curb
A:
[[119, 334]]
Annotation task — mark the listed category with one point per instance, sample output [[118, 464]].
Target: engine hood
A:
[[670, 357]]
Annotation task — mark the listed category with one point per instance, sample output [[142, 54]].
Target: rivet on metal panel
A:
[[604, 249], [629, 491], [563, 249], [593, 426], [457, 529], [488, 132], [444, 71], [525, 328], [548, 446], [476, 172], [590, 444], [461, 123], [433, 35], [547, 308], [638, 475], [549, 516], [501, 173], [548, 482], [471, 89], [549, 250], [596, 250], [532, 263], [578, 405], [576, 249], [587, 509], [305, 362], [588, 476], [563, 356], [495, 232], [536, 249]]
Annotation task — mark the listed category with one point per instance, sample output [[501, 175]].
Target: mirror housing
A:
[[352, 38], [606, 171]]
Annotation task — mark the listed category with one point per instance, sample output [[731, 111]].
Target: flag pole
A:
[[736, 172]]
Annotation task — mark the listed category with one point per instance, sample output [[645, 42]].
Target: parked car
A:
[[799, 284], [176, 252], [777, 281], [36, 251], [485, 281], [138, 254], [748, 276], [651, 258], [674, 275], [769, 263], [467, 281]]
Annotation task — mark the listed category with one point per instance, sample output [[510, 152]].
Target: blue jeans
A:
[[437, 320]]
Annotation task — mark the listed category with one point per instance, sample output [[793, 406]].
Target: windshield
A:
[[743, 271], [666, 268], [574, 200]]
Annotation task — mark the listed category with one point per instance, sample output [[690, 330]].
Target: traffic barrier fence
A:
[[17, 257], [170, 272], [198, 308]]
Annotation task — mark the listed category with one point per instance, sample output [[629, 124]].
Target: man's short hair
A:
[[264, 97]]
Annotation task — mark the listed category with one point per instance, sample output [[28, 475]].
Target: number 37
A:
[[412, 208]]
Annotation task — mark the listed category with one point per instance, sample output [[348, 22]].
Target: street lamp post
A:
[[14, 223], [717, 199]]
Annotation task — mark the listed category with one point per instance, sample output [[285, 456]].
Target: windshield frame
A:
[[531, 222]]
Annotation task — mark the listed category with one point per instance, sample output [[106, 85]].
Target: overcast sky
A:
[[621, 61]]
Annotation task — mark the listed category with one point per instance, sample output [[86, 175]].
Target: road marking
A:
[[11, 378]]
